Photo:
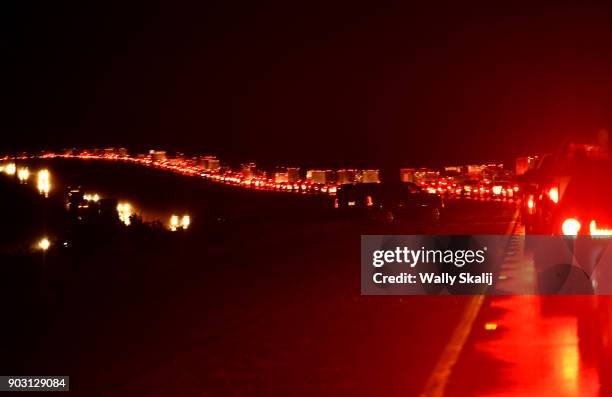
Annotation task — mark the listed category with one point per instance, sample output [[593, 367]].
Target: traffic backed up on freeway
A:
[[390, 201]]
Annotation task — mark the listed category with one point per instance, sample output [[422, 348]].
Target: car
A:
[[469, 188], [390, 201], [571, 252], [503, 189], [583, 205], [531, 184], [544, 188]]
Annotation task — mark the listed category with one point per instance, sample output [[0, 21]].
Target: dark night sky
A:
[[305, 84]]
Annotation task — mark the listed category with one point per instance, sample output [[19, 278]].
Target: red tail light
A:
[[369, 201], [595, 231], [570, 227], [553, 194]]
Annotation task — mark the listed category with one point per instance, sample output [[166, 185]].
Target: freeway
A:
[[303, 329], [273, 306]]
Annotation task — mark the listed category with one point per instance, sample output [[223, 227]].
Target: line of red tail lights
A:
[[228, 177], [477, 189], [484, 189]]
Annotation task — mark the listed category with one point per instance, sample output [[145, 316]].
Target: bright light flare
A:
[[125, 212], [490, 326], [186, 221], [92, 197], [44, 182], [10, 169], [174, 222], [44, 244], [570, 227], [177, 222], [595, 231], [23, 174], [497, 190], [553, 193]]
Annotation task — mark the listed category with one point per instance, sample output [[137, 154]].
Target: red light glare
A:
[[553, 194], [570, 227], [595, 231]]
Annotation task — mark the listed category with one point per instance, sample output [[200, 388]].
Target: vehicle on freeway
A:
[[574, 256], [484, 189], [388, 202], [468, 188], [428, 185], [531, 184], [503, 189], [558, 184], [584, 207], [444, 187]]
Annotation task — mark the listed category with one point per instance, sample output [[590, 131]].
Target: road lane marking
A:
[[437, 381], [436, 384], [514, 223]]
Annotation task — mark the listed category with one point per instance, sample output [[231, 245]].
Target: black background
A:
[[308, 84]]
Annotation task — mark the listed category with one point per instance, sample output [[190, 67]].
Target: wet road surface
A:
[[535, 345]]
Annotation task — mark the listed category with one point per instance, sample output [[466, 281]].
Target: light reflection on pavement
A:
[[535, 345], [539, 355]]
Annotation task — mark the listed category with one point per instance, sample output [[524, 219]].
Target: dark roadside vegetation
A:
[[263, 299]]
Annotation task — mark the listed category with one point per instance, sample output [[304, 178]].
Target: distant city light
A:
[[44, 182], [289, 179], [125, 212], [44, 244]]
